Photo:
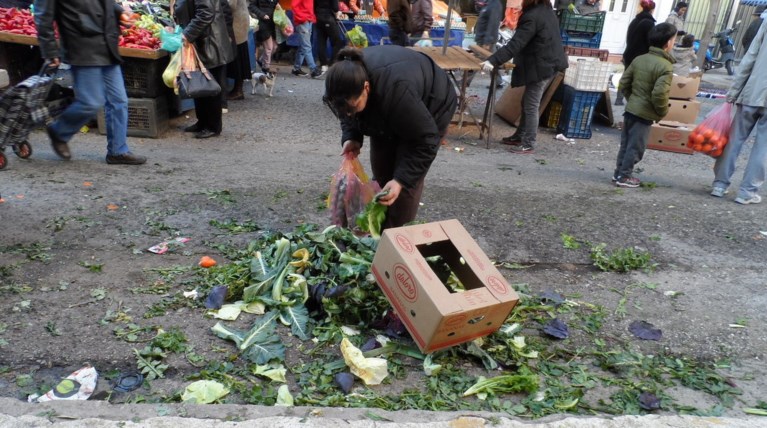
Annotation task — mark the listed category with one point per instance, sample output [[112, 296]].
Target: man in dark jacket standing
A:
[[327, 29], [400, 21], [538, 55], [89, 31]]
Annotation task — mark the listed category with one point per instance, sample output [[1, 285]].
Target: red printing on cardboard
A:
[[404, 243], [394, 300], [496, 284], [405, 283], [673, 135]]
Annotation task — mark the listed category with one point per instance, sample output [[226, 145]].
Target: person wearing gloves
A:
[[749, 94], [404, 102], [423, 19], [676, 17], [88, 31], [538, 55]]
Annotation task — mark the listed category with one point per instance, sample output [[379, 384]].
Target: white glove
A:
[[487, 67]]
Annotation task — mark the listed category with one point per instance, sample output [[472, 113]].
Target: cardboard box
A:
[[684, 87], [509, 105], [436, 316], [670, 137], [685, 111]]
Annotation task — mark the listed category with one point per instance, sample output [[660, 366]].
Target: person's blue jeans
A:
[[96, 87], [305, 50], [746, 119]]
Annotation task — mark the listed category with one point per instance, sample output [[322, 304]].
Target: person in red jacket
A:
[[303, 18]]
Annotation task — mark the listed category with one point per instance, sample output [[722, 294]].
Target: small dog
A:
[[263, 80]]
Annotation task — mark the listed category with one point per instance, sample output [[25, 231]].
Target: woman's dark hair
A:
[[687, 41], [530, 3], [680, 5], [647, 5], [344, 81], [660, 34]]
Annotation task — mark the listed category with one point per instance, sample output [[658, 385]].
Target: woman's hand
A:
[[392, 189], [266, 17], [351, 148]]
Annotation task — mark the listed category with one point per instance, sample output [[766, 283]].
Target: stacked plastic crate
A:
[[582, 31], [147, 96]]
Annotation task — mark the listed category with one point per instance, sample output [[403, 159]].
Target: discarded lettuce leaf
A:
[[510, 329], [284, 398], [345, 381], [371, 370], [216, 297], [556, 328], [349, 331], [754, 410], [474, 349], [645, 331], [276, 374], [228, 312], [525, 381], [649, 401], [259, 344], [429, 368], [257, 308], [297, 317], [203, 392]]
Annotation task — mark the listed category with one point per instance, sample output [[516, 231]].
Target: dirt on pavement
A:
[[75, 234]]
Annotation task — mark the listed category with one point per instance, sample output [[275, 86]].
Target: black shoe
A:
[[206, 133], [126, 159], [512, 140], [317, 73], [299, 72], [193, 128], [59, 146], [235, 96]]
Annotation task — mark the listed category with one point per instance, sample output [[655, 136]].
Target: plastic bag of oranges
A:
[[713, 133]]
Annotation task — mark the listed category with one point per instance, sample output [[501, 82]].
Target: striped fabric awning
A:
[[754, 2]]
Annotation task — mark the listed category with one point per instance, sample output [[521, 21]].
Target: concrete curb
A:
[[100, 414]]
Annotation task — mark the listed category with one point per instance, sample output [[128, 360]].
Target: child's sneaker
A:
[[629, 182], [752, 200]]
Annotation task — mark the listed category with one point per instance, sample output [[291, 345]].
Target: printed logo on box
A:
[[405, 243], [405, 283], [497, 285], [427, 233], [456, 321], [673, 135]]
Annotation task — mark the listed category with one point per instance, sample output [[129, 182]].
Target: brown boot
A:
[[236, 93]]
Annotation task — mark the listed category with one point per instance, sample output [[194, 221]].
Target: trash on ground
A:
[[556, 328], [345, 381], [430, 368], [561, 137], [191, 294], [273, 372], [216, 297], [77, 386], [203, 392], [127, 382], [552, 297], [164, 246], [371, 370], [207, 262], [649, 401], [349, 331], [645, 331]]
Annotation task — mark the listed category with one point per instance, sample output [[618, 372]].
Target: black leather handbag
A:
[[194, 80]]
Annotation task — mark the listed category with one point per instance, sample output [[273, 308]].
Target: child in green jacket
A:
[[645, 84]]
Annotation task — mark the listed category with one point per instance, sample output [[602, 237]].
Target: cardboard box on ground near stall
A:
[[685, 88], [685, 111], [670, 137], [437, 316]]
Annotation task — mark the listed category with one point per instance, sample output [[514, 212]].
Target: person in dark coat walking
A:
[[205, 27], [89, 32], [264, 11], [327, 30], [637, 42], [400, 21], [753, 28], [488, 24], [404, 102], [538, 55]]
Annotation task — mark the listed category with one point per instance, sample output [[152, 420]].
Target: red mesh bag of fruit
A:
[[713, 133]]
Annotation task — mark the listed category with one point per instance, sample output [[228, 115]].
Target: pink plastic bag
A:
[[350, 190], [713, 133]]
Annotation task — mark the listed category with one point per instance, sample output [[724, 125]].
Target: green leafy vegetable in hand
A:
[[371, 219]]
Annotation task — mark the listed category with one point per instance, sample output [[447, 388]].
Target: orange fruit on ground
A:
[[207, 262]]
